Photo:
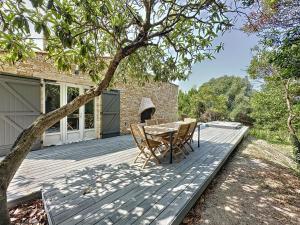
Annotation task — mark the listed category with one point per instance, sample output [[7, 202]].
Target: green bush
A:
[[277, 137]]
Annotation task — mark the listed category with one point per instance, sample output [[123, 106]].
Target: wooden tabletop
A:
[[163, 129]]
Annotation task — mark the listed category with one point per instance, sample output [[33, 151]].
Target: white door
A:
[[89, 131], [53, 100], [73, 123], [77, 126]]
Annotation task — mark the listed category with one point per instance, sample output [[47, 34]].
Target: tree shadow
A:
[[84, 149], [122, 193], [249, 190], [115, 191]]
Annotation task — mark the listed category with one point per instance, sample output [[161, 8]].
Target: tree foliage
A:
[[226, 97], [277, 60], [106, 39], [268, 16], [175, 34], [276, 107], [269, 113]]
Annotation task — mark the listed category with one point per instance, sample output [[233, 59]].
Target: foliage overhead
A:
[[172, 35], [267, 16]]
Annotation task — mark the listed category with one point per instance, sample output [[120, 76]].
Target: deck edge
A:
[[49, 217], [31, 196], [184, 211]]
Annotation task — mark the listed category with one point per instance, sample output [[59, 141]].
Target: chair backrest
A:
[[182, 133], [192, 129], [151, 122], [139, 135], [161, 121], [189, 120]]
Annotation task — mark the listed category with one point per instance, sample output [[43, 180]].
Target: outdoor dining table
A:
[[168, 129]]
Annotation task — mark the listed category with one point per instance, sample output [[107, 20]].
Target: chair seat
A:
[[152, 143], [166, 139]]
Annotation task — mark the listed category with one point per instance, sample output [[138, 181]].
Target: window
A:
[[89, 115], [73, 118], [52, 102]]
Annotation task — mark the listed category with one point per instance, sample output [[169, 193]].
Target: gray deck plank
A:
[[147, 203], [54, 164], [119, 192], [69, 186], [77, 195], [168, 215], [203, 168], [93, 213], [27, 181], [153, 186]]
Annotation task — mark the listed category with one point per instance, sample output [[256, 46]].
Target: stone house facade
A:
[[14, 78]]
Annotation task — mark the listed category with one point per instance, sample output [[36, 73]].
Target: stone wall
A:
[[41, 67], [163, 94]]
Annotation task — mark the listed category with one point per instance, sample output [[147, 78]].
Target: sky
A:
[[233, 60]]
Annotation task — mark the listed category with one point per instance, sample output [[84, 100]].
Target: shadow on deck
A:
[[96, 183]]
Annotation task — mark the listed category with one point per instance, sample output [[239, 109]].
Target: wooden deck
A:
[[95, 182]]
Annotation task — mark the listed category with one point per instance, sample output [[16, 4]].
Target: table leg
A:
[[171, 148], [199, 136]]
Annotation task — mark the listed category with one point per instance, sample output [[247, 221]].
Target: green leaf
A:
[[46, 31], [38, 27], [36, 3], [26, 26], [50, 4]]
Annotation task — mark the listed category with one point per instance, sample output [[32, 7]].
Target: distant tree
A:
[[226, 97], [183, 104], [269, 112], [105, 39], [278, 56], [215, 103], [198, 108], [280, 65]]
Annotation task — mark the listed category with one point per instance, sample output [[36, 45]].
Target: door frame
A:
[[62, 135]]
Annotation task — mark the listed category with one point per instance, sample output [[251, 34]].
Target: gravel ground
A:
[[258, 185]]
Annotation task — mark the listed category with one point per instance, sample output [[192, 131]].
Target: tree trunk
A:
[[4, 215], [10, 164], [293, 134]]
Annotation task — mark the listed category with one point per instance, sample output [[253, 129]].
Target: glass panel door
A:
[[89, 120], [78, 126], [52, 102], [73, 118], [89, 116]]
